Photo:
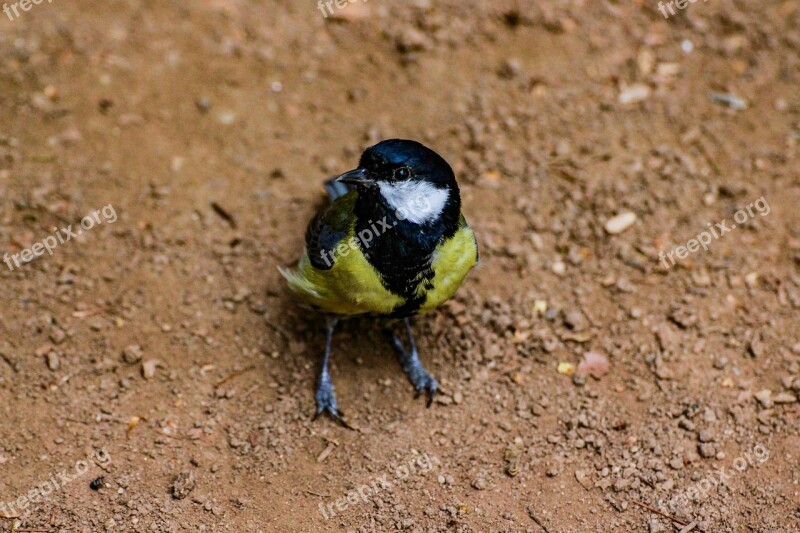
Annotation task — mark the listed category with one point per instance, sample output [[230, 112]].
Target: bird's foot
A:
[[326, 402], [425, 384], [419, 377]]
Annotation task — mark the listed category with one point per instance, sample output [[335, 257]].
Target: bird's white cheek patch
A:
[[416, 201]]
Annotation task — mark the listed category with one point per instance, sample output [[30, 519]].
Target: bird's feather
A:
[[328, 228], [334, 275]]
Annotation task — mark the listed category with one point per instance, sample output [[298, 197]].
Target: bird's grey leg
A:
[[412, 366], [326, 399]]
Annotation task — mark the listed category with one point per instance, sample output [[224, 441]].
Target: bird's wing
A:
[[328, 228], [335, 281]]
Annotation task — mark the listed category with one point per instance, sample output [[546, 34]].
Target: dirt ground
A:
[[156, 376]]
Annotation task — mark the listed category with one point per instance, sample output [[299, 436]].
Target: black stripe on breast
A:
[[402, 252]]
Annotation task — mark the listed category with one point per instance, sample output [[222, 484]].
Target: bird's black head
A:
[[408, 178], [397, 160]]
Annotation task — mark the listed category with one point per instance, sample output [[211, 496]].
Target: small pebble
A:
[[510, 69], [479, 484], [226, 118], [149, 369], [183, 484], [655, 526], [57, 335], [764, 397], [706, 435], [620, 223], [132, 354], [637, 92], [707, 450], [730, 100], [53, 362], [784, 397], [203, 105]]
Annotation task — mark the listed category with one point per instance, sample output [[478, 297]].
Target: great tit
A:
[[393, 243]]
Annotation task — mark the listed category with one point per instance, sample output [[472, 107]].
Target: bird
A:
[[392, 243]]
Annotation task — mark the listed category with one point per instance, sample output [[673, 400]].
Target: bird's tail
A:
[[337, 189]]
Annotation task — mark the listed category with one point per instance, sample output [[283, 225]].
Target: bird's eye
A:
[[402, 173]]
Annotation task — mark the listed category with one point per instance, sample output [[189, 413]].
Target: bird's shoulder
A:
[[460, 247], [327, 229], [452, 261]]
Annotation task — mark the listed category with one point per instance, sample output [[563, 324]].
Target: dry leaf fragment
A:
[[132, 423]]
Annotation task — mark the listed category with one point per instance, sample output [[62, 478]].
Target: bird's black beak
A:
[[358, 176]]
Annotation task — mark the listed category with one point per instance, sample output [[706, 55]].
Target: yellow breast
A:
[[353, 286], [452, 261]]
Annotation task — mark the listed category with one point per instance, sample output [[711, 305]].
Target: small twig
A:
[[326, 452], [279, 331], [647, 482], [536, 519], [10, 362], [479, 436], [654, 510], [508, 370], [223, 214], [233, 375], [250, 391], [89, 312], [175, 437]]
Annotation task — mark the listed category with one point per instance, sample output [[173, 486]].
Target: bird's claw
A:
[[326, 403], [429, 386], [334, 414]]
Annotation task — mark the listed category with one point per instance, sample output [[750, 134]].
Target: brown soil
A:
[[209, 127]]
